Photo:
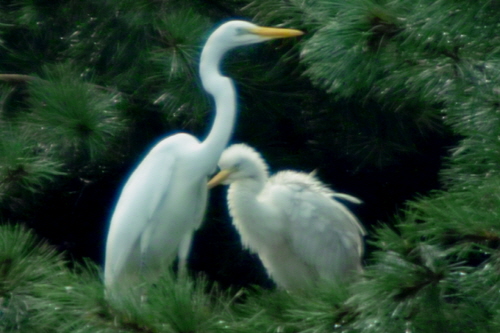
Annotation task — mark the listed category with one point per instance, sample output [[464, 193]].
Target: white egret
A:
[[164, 199], [300, 232]]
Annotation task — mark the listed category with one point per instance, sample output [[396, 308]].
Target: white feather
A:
[[301, 233], [164, 199]]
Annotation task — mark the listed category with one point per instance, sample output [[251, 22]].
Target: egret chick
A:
[[164, 200], [300, 232]]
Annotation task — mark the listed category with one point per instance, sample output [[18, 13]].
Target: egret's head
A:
[[236, 33], [239, 162]]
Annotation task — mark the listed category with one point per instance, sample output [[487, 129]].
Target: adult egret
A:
[[301, 233], [164, 199]]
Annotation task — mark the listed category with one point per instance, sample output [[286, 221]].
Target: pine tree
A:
[[373, 96]]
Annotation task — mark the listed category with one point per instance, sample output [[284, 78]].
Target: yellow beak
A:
[[276, 32], [218, 178]]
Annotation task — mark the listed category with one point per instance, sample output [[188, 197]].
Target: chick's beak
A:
[[218, 178], [276, 32]]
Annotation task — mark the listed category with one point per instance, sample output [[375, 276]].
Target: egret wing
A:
[[321, 230], [138, 201], [181, 213]]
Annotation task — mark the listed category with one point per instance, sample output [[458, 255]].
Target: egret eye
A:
[[237, 166], [241, 31]]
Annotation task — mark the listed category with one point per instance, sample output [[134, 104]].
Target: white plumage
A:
[[301, 233], [164, 199]]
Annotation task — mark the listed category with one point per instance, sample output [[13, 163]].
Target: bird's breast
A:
[[258, 224]]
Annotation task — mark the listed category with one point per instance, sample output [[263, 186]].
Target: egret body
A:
[[164, 199], [300, 232]]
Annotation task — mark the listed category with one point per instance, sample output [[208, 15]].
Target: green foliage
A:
[[83, 120], [474, 115], [417, 286], [24, 166], [318, 309], [38, 293], [185, 305], [298, 14], [28, 272], [385, 75], [351, 51], [410, 49], [36, 32], [177, 64], [461, 218], [168, 304]]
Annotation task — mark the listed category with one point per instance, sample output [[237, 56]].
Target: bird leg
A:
[[184, 249]]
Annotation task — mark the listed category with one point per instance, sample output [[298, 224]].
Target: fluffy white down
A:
[[292, 221]]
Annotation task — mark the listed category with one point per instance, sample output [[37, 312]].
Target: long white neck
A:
[[223, 92]]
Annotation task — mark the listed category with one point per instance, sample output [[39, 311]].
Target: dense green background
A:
[[395, 102]]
